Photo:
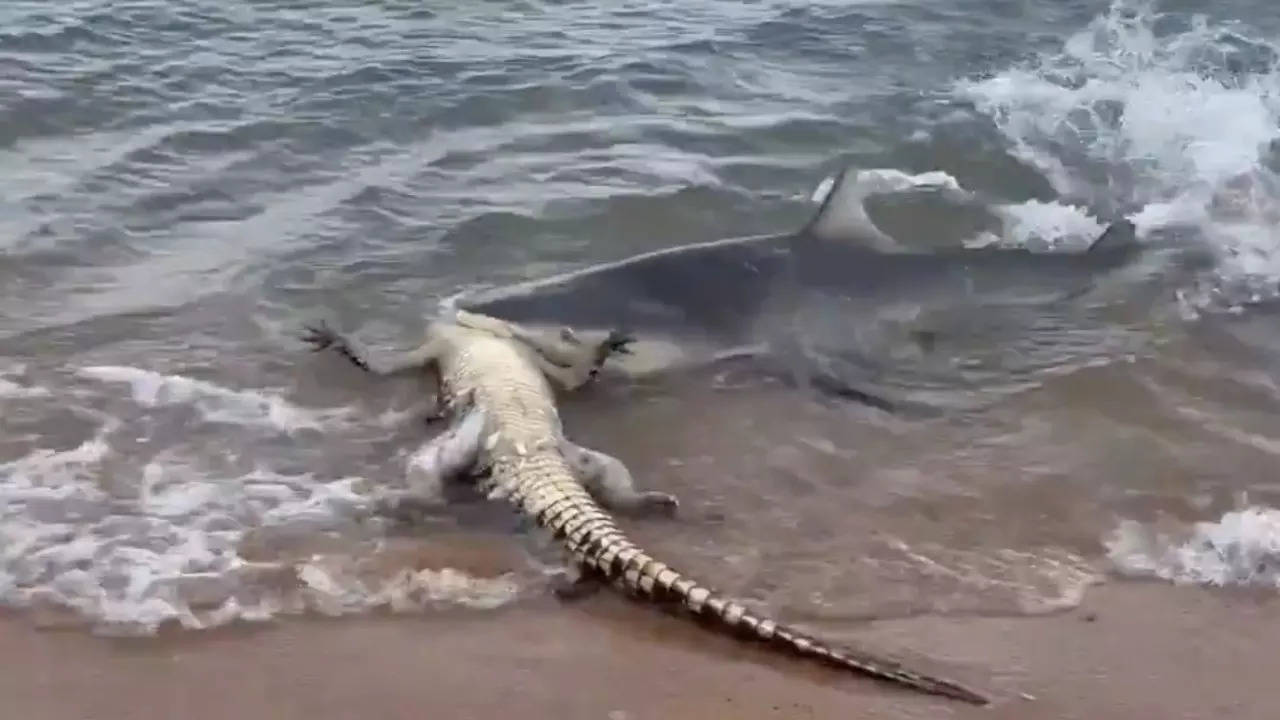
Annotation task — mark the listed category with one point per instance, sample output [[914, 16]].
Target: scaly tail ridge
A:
[[597, 543]]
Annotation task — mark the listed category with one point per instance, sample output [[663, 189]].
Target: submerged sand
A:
[[1133, 650]]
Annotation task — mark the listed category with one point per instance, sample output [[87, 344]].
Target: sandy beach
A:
[[1132, 651]]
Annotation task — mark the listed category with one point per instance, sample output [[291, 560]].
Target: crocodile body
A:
[[495, 385]]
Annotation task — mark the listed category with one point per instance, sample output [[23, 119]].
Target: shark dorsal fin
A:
[[842, 215]]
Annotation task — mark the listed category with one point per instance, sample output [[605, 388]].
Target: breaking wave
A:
[[1169, 119], [1240, 549]]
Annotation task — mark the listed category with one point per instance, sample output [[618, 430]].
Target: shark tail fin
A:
[[1120, 236]]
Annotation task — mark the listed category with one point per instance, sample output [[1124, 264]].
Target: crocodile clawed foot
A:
[[445, 408], [321, 337], [658, 503], [618, 342], [568, 586]]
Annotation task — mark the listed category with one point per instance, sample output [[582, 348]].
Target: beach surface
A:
[[1133, 650]]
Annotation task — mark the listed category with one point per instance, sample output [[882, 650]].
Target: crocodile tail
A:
[[660, 582], [597, 543]]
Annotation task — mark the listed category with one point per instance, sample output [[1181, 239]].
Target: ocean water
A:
[[185, 183]]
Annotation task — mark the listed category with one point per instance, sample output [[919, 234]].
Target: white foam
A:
[[1048, 225], [171, 551], [334, 590], [215, 403], [1240, 549], [10, 389], [1165, 116], [127, 542], [1039, 582]]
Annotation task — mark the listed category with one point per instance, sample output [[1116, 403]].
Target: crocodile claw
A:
[[568, 587], [321, 336], [619, 341], [659, 503], [616, 342]]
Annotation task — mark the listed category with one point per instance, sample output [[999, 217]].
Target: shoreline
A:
[[1132, 650]]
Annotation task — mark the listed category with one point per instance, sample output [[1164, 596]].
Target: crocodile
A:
[[496, 383]]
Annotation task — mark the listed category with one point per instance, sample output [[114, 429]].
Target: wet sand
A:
[[1132, 651]]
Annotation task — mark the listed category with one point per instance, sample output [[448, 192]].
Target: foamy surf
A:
[[10, 389], [217, 404], [1000, 581], [14, 388], [174, 552], [125, 531], [1241, 549], [1162, 118], [1043, 226], [334, 590]]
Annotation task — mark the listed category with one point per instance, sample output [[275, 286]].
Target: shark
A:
[[755, 298]]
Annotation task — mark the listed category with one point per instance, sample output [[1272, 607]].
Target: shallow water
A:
[[185, 183]]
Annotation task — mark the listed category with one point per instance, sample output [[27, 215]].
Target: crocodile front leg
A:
[[413, 363], [322, 337], [567, 360], [610, 483]]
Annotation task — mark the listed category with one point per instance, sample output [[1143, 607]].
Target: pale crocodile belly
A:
[[519, 401]]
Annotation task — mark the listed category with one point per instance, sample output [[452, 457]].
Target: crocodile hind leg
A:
[[610, 483], [451, 455], [394, 365]]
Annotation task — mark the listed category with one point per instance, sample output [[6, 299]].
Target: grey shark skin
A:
[[495, 386], [718, 292]]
